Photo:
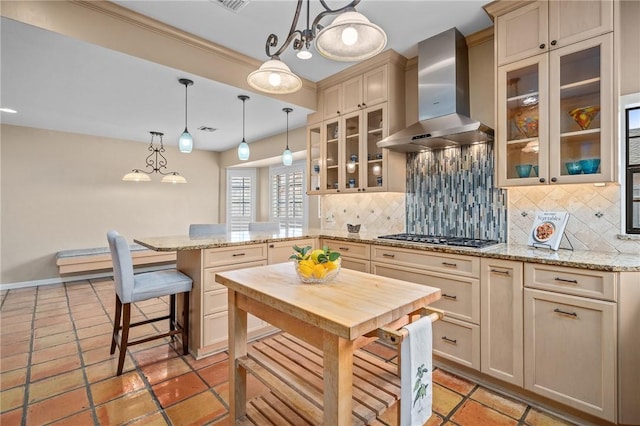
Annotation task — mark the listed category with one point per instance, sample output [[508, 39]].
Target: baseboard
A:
[[72, 278]]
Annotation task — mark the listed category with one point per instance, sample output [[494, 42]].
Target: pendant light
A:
[[185, 143], [157, 163], [243, 148], [287, 156]]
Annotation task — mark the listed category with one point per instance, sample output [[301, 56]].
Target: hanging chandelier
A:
[[157, 162], [350, 37]]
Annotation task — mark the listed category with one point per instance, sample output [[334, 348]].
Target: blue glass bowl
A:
[[590, 165], [573, 167], [523, 170]]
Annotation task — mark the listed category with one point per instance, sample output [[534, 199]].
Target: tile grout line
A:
[[25, 407]]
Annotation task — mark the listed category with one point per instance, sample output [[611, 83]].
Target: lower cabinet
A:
[[280, 251], [570, 350], [355, 256], [501, 339], [457, 336], [208, 328]]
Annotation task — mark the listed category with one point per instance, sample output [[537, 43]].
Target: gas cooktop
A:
[[443, 241]]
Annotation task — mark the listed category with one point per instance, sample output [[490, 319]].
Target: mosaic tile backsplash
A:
[[594, 221], [451, 192]]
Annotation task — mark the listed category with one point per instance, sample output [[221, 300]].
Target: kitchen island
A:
[[331, 317]]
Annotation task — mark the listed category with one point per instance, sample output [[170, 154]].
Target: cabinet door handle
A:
[[553, 179], [388, 255], [359, 106], [446, 296], [496, 271], [238, 254], [558, 311], [364, 104], [338, 112], [542, 46], [452, 341], [542, 180], [271, 245], [450, 265], [566, 281], [344, 248], [553, 42]]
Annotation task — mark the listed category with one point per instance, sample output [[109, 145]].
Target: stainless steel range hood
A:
[[443, 99]]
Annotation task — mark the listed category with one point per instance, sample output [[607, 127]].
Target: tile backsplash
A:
[[451, 192], [381, 213], [594, 221]]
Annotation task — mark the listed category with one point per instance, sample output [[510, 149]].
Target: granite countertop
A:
[[585, 259]]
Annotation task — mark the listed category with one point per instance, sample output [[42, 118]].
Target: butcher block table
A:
[[333, 317]]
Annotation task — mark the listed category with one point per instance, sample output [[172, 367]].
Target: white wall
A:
[[64, 191]]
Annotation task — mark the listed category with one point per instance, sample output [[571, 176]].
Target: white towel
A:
[[416, 365]]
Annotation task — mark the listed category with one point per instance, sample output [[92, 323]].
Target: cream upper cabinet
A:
[[556, 115], [360, 106], [542, 26], [365, 90], [332, 101]]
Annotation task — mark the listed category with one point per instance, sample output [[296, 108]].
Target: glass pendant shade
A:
[[287, 157], [136, 176], [174, 178], [351, 37], [185, 143], [243, 151], [274, 76]]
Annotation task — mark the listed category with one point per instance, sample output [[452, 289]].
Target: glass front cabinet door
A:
[[331, 157], [555, 116], [314, 150]]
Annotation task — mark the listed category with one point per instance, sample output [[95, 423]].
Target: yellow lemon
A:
[[319, 271], [315, 254], [305, 270], [330, 265], [307, 262]]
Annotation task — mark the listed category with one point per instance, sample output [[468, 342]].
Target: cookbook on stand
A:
[[548, 229]]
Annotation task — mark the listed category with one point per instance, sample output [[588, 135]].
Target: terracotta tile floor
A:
[[55, 368]]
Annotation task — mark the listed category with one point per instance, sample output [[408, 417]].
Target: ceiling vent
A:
[[233, 5], [207, 129]]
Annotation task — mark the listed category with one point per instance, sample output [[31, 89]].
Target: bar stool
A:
[[206, 229], [132, 288]]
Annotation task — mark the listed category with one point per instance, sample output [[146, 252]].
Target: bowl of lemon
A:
[[316, 266]]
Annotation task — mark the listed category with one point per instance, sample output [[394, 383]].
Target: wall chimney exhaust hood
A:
[[443, 99]]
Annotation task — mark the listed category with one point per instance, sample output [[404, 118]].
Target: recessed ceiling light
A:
[[207, 129], [9, 110]]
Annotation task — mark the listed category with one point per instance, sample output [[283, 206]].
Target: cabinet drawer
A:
[[215, 327], [460, 296], [210, 283], [349, 249], [581, 282], [356, 264], [215, 301], [457, 341], [448, 263], [232, 255], [280, 251]]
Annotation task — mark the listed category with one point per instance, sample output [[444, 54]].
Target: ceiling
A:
[[60, 83]]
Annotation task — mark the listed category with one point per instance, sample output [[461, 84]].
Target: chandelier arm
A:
[[272, 40], [328, 11]]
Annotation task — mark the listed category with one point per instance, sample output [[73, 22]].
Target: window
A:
[[632, 163], [241, 198], [288, 198]]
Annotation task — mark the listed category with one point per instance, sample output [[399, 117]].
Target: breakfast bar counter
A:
[[330, 316]]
